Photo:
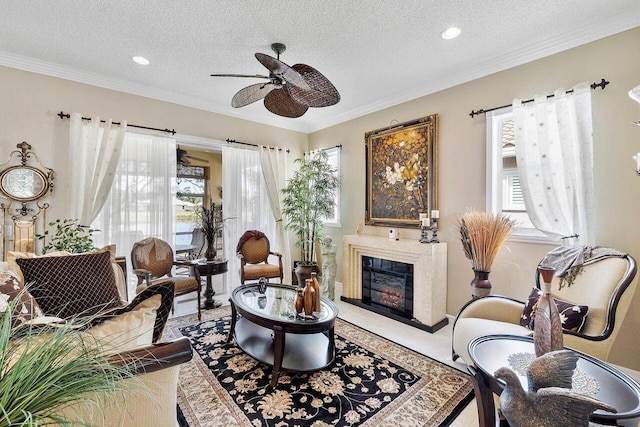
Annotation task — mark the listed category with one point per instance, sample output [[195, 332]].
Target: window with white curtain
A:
[[245, 203], [504, 194], [333, 159], [141, 202]]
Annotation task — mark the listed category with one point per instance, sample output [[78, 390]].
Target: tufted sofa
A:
[[131, 332]]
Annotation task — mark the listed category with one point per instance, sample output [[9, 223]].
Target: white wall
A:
[[461, 182]]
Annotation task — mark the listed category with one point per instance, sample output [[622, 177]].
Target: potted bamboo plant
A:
[[309, 198], [482, 235]]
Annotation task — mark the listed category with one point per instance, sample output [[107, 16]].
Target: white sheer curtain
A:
[[274, 170], [554, 151], [244, 198], [141, 201], [94, 154]]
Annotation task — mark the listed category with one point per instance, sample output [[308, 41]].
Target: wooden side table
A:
[[609, 384], [210, 269]]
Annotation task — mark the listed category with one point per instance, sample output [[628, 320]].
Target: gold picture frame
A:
[[402, 175]]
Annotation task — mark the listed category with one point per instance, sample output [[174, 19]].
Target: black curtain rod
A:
[[233, 141], [603, 83], [64, 115], [326, 148], [329, 148]]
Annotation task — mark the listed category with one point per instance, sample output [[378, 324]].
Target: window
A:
[[333, 158], [191, 189], [503, 184]]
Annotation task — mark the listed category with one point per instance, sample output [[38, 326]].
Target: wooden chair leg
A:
[[199, 291]]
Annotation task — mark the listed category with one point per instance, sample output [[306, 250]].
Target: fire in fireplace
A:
[[388, 286]]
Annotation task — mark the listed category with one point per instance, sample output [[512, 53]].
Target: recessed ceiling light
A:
[[450, 33], [140, 60]]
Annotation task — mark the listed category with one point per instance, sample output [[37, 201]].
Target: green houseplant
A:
[[308, 198], [69, 236], [45, 369]]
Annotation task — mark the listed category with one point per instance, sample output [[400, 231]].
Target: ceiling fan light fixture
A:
[[140, 60], [450, 33], [290, 91]]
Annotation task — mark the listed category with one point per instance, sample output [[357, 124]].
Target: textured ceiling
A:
[[377, 53]]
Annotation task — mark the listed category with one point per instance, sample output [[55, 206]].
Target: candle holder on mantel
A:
[[424, 234], [434, 231]]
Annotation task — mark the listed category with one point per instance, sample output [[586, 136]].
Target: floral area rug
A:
[[373, 382]]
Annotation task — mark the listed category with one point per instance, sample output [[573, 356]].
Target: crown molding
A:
[[552, 45], [94, 79]]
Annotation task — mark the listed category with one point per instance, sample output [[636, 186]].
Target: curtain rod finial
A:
[[603, 83]]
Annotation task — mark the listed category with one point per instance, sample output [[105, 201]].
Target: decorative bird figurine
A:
[[548, 402]]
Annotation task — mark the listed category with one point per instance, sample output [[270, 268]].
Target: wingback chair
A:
[[254, 250], [606, 285], [152, 260]]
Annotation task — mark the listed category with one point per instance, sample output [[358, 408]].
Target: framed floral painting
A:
[[402, 172]]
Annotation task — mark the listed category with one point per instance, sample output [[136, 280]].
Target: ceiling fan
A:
[[183, 157], [289, 91]]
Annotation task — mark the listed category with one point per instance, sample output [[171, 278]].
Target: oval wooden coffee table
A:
[[267, 328]]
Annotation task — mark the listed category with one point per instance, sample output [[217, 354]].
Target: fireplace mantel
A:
[[430, 272]]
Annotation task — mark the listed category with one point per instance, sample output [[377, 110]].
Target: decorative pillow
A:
[[166, 291], [11, 289], [572, 315], [71, 285], [129, 330], [13, 255]]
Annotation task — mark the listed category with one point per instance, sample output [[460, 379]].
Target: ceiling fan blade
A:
[[251, 76], [190, 157], [282, 71], [251, 94], [180, 154], [279, 102], [322, 92]]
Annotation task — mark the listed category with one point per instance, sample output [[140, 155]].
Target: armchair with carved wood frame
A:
[[254, 260], [153, 259]]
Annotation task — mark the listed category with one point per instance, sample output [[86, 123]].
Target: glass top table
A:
[[266, 327], [592, 377]]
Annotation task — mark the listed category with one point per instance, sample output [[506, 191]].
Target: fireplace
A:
[[388, 285], [404, 279]]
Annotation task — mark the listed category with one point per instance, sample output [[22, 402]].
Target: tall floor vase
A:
[[303, 272], [480, 285]]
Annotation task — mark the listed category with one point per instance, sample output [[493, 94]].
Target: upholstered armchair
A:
[[152, 260], [254, 250], [606, 285]]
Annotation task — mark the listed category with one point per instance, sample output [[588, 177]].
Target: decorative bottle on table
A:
[[316, 292], [547, 327], [309, 297], [299, 301]]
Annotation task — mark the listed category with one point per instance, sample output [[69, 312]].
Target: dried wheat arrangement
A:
[[482, 235]]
